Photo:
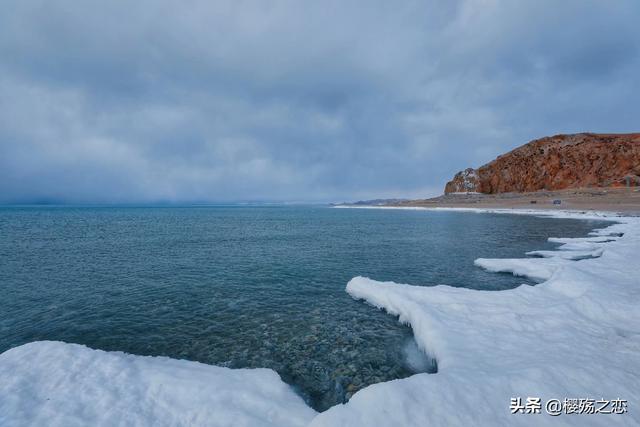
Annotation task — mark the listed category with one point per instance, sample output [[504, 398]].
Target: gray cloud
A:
[[217, 101]]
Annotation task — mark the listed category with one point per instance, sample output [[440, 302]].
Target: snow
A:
[[51, 383], [600, 239], [533, 268], [575, 335], [568, 254]]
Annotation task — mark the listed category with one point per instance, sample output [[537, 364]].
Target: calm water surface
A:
[[246, 286]]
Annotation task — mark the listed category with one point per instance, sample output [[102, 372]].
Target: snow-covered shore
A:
[[49, 383], [576, 335]]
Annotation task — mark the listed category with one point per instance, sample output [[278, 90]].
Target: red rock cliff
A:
[[557, 162]]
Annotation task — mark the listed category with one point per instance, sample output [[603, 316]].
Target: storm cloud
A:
[[212, 101]]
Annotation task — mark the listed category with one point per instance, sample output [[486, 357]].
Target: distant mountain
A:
[[556, 163], [374, 202]]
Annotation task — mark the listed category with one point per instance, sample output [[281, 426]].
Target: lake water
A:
[[247, 286]]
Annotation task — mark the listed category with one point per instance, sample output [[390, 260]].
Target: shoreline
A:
[[489, 346], [620, 200], [572, 336], [553, 213]]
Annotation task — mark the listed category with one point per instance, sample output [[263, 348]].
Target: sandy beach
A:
[[624, 200]]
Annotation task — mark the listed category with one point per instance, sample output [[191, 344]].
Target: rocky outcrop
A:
[[556, 163], [465, 181]]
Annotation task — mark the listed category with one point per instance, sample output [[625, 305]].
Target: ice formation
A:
[[576, 335], [51, 383], [568, 254]]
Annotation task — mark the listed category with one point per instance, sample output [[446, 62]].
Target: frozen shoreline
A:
[[576, 335], [554, 213]]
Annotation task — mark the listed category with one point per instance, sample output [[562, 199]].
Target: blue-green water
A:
[[246, 286]]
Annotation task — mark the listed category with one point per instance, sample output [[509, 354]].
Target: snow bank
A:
[[600, 239], [536, 269], [56, 384], [569, 254], [577, 335]]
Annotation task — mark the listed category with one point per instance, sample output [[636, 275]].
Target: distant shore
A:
[[624, 200]]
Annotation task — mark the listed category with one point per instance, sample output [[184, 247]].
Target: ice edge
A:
[[576, 334]]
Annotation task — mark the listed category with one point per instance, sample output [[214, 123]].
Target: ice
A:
[[533, 268], [605, 232], [416, 359], [580, 246], [600, 239], [568, 254], [577, 335], [57, 384]]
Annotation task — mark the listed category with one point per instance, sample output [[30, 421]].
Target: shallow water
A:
[[247, 286]]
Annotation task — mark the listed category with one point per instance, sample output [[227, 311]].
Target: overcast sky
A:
[[147, 101]]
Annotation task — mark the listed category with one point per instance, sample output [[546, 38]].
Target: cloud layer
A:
[[152, 101]]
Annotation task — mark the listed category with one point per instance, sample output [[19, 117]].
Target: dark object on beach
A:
[[557, 202], [533, 202]]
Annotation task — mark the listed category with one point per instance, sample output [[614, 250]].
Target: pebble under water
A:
[[247, 286]]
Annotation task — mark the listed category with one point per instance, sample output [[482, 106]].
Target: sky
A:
[[221, 101]]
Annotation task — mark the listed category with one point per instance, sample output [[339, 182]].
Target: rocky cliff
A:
[[556, 163]]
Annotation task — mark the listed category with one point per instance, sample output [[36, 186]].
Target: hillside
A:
[[560, 162]]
